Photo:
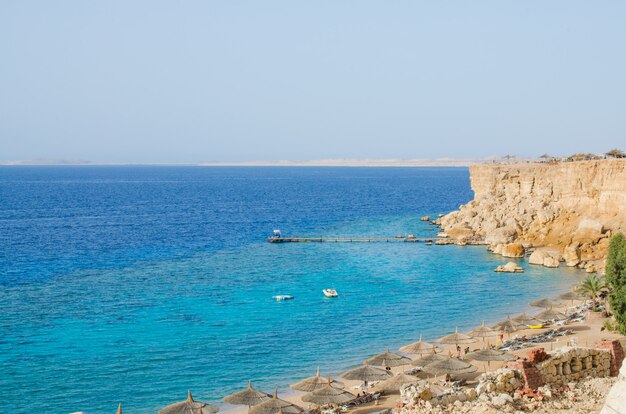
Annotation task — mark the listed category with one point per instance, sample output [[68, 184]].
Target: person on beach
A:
[[458, 351]]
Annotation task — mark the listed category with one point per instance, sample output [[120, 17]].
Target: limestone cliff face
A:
[[568, 209]]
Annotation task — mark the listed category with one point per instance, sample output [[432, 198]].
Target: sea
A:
[[134, 284]]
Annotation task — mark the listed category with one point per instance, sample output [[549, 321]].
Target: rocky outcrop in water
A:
[[572, 208]]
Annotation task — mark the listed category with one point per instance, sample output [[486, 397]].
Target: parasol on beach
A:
[[248, 397], [315, 382], [572, 295], [545, 303], [450, 366], [188, 406], [489, 355], [527, 319], [366, 373], [328, 395], [482, 332], [388, 359], [119, 409], [428, 359], [509, 325], [550, 314], [418, 348], [275, 406], [456, 338], [393, 384]]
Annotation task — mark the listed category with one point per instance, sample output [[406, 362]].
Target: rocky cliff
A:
[[564, 212]]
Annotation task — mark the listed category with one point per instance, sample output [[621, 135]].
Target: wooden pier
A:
[[350, 239]]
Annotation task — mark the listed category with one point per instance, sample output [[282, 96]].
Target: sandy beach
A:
[[585, 333]]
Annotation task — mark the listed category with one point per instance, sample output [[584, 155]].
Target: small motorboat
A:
[[280, 298], [330, 293]]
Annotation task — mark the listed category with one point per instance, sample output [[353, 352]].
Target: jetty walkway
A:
[[350, 239]]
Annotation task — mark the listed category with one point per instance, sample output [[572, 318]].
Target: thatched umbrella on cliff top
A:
[[366, 373], [393, 384], [388, 359], [275, 406], [545, 303], [328, 395], [188, 406], [456, 338], [550, 314], [418, 348], [450, 366], [315, 382], [248, 397]]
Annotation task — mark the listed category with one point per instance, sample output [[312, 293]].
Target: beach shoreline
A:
[[295, 397]]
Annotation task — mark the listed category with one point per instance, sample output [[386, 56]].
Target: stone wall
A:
[[571, 364]]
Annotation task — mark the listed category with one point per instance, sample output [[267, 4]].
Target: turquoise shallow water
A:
[[157, 309]]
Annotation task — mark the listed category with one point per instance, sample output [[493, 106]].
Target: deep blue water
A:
[[133, 284]]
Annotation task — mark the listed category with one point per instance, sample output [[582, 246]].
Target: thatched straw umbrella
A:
[[275, 406], [572, 295], [119, 409], [418, 348], [315, 382], [483, 332], [550, 314], [388, 359], [248, 397], [527, 319], [450, 366], [545, 303], [393, 384], [428, 359], [489, 355], [509, 325], [328, 395], [366, 373], [188, 406], [456, 338]]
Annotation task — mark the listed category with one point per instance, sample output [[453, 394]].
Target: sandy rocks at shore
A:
[[572, 207], [510, 267]]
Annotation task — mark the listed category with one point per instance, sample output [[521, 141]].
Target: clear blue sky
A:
[[192, 81]]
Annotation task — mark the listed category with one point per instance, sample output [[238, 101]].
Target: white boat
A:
[[279, 298], [330, 293]]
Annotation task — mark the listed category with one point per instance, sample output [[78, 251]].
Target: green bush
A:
[[616, 277]]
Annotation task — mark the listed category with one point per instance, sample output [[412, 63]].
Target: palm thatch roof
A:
[[616, 153], [490, 355], [393, 384], [315, 382], [275, 406], [550, 314], [527, 319], [482, 331], [188, 406], [428, 359], [388, 359], [119, 409], [546, 156], [366, 373], [248, 397], [456, 338], [572, 295], [545, 303], [328, 395], [418, 348], [509, 325], [450, 366]]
